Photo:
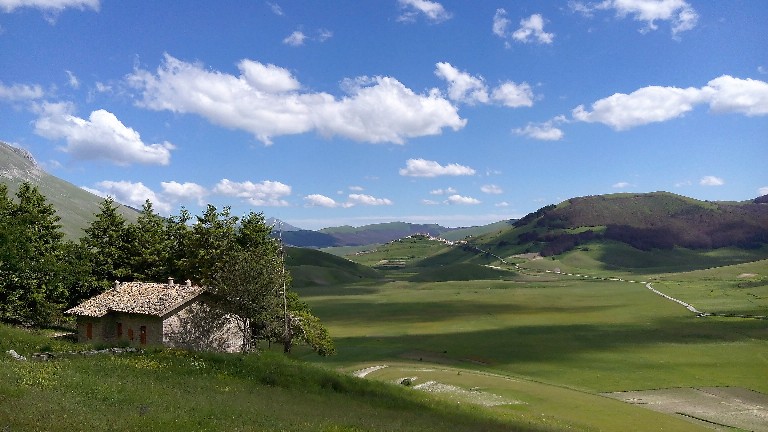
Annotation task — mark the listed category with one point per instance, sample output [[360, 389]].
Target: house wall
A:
[[105, 329], [199, 326]]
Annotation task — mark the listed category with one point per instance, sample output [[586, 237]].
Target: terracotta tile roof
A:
[[138, 297]]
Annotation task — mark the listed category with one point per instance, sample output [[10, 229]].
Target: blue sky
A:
[[348, 113]]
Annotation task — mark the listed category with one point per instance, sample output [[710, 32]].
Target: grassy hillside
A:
[[462, 233], [310, 267], [659, 229], [170, 390], [75, 206]]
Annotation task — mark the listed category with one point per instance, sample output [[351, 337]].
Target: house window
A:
[[143, 335], [130, 334], [89, 330], [119, 330]]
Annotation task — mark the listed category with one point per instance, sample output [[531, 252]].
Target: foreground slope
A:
[[171, 390]]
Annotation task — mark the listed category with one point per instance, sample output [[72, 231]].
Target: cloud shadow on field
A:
[[555, 342], [351, 312]]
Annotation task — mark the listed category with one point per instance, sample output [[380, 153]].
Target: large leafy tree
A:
[[247, 284], [251, 280]]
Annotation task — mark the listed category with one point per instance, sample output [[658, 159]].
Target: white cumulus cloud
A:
[[266, 193], [427, 168], [513, 95], [362, 199], [317, 200], [432, 10], [469, 89], [643, 106], [745, 96], [176, 191], [532, 30], [491, 189], [101, 136], [462, 200], [133, 194], [763, 191], [711, 181], [48, 5], [546, 131], [462, 87], [268, 101], [20, 92], [446, 191], [500, 23], [681, 15], [724, 94], [296, 38]]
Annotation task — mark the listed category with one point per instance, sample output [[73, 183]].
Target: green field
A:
[[557, 342]]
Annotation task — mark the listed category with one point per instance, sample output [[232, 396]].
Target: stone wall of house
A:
[[201, 327], [117, 328]]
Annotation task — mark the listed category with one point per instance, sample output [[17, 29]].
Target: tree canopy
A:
[[236, 259]]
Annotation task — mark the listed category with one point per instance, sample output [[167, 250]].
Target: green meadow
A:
[[172, 390], [553, 344]]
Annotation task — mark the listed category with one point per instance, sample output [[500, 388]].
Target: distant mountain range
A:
[[381, 233], [74, 205]]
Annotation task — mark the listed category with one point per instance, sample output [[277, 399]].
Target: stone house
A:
[[146, 314]]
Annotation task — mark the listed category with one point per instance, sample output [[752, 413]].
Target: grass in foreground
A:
[[181, 391]]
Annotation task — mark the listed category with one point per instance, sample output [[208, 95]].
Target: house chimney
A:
[[189, 283], [170, 281], [117, 284]]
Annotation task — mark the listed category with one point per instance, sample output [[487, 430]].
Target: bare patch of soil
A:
[[528, 256], [721, 408], [473, 396]]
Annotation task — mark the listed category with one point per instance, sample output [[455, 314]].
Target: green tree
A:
[[253, 283], [77, 277], [108, 242], [212, 237], [150, 246], [31, 288], [304, 327], [177, 237], [247, 283]]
